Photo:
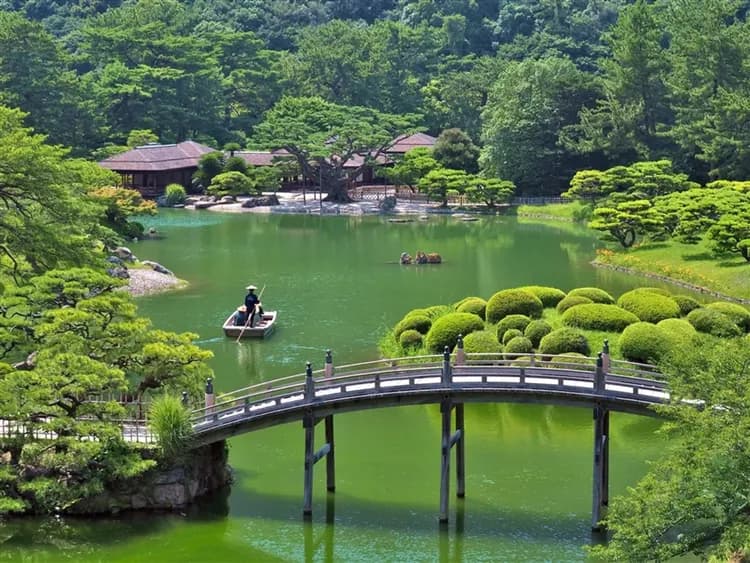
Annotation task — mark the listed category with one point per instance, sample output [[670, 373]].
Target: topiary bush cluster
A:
[[446, 329], [519, 345], [513, 302], [645, 342], [713, 322], [686, 304], [536, 330], [475, 305], [482, 342], [649, 306], [563, 341], [510, 334], [594, 293], [519, 322], [598, 316], [411, 321], [410, 338], [549, 296], [737, 313], [572, 301]]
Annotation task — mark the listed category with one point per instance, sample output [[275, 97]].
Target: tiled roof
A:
[[407, 142], [157, 158]]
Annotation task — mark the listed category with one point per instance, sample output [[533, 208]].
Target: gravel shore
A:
[[146, 282]]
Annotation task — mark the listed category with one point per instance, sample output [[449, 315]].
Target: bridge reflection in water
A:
[[451, 380]]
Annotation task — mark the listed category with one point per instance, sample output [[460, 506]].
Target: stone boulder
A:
[[124, 253], [156, 267], [261, 201], [120, 272], [387, 204]]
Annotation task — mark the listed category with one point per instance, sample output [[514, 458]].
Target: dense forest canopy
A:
[[544, 87]]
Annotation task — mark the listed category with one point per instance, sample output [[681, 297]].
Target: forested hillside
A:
[[544, 87]]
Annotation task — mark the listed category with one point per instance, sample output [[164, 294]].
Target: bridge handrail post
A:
[[446, 373], [460, 354], [309, 383], [329, 364], [599, 374], [606, 362], [185, 399], [209, 397]]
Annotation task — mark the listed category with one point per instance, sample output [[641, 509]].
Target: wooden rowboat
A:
[[261, 329]]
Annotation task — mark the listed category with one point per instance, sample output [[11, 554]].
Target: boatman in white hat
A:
[[252, 303]]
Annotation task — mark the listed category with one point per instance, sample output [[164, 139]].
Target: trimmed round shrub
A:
[[713, 322], [563, 341], [679, 332], [437, 311], [594, 293], [475, 305], [657, 290], [571, 360], [572, 301], [597, 316], [686, 304], [519, 322], [482, 342], [644, 342], [549, 296], [739, 315], [536, 330], [519, 345], [648, 306], [510, 334], [410, 339], [445, 330], [420, 323], [174, 194], [513, 302]]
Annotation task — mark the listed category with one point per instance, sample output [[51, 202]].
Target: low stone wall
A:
[[203, 471]]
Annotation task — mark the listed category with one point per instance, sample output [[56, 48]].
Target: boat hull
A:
[[262, 328]]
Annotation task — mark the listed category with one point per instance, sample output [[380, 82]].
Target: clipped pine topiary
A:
[[713, 322], [594, 293], [482, 342], [571, 301], [686, 304], [519, 322], [549, 296], [510, 334], [475, 305], [564, 340], [513, 302], [536, 330], [445, 330], [410, 339], [649, 306], [420, 323], [645, 343], [739, 315], [598, 316], [519, 345]]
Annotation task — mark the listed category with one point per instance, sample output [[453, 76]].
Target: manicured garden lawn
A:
[[560, 211]]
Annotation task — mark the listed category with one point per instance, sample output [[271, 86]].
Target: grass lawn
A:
[[559, 211], [689, 263]]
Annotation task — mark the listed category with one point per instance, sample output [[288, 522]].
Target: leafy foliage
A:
[[170, 421], [445, 330], [598, 316], [513, 302]]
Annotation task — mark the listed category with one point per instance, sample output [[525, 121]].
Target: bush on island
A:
[[170, 422], [513, 302], [549, 296], [536, 330], [519, 345], [713, 322], [510, 334], [645, 342], [598, 316], [686, 304], [649, 306], [594, 293], [475, 305], [571, 360], [563, 341], [519, 322], [174, 194], [482, 342], [571, 301], [739, 315], [420, 323], [410, 338], [446, 329], [679, 331]]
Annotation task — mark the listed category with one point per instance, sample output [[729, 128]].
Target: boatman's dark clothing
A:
[[251, 300]]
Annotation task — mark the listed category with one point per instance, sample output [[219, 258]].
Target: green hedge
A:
[[410, 338], [513, 302], [645, 342], [598, 316], [649, 306], [420, 323], [549, 296], [475, 305], [510, 334], [572, 301], [536, 330], [713, 322], [519, 345], [482, 341], [594, 293], [686, 304], [739, 315], [446, 329], [519, 322], [563, 341]]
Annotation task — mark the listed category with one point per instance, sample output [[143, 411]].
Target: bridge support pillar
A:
[[447, 443], [601, 467], [309, 426], [330, 459]]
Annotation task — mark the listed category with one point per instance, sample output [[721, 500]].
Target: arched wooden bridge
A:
[[450, 380]]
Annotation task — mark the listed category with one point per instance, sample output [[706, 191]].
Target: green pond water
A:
[[336, 284]]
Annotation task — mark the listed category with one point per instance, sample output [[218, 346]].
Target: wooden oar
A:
[[250, 315]]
